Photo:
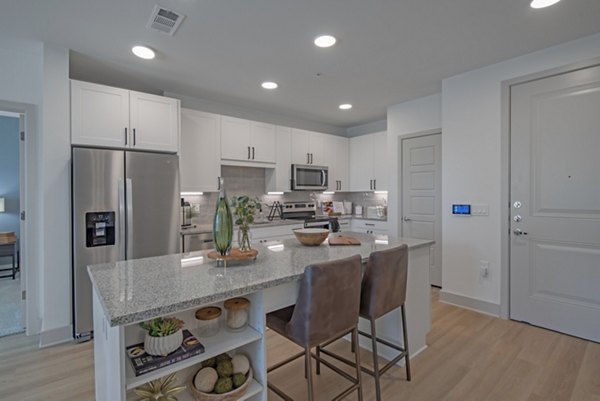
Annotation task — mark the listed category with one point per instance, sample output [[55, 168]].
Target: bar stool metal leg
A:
[[375, 355], [358, 367], [405, 339]]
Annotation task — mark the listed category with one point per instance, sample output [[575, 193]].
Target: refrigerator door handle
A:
[[121, 217], [129, 211]]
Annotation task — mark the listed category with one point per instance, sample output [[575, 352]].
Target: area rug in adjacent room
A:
[[10, 306]]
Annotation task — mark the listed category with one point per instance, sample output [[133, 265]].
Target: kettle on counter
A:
[[186, 213]]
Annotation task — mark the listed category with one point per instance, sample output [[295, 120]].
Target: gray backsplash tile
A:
[[251, 181]]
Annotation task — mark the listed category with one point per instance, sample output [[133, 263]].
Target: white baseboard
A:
[[56, 336], [477, 305]]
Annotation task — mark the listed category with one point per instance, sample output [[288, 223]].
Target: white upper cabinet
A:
[[278, 179], [154, 122], [117, 118], [199, 162], [337, 147], [248, 141], [99, 115], [308, 148], [368, 155]]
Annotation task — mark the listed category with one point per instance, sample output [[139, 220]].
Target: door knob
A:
[[406, 219], [518, 231]]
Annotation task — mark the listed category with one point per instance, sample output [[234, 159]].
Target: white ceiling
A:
[[388, 51]]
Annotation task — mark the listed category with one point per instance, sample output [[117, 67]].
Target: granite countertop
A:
[[135, 290]]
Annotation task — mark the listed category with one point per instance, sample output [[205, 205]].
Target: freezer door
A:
[[98, 223], [153, 204]]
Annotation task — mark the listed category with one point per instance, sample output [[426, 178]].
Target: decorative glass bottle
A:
[[222, 223]]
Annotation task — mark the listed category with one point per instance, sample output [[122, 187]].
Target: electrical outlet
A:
[[484, 268]]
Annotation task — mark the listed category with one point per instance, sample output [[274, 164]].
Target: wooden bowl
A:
[[311, 236]]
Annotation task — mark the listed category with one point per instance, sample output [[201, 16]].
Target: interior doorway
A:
[[12, 282], [422, 195], [555, 202]]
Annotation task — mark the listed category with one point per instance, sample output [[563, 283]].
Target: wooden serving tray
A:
[[343, 240], [235, 254]]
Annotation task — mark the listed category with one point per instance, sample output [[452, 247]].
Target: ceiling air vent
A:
[[165, 21]]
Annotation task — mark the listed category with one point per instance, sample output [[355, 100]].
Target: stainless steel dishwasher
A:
[[196, 242]]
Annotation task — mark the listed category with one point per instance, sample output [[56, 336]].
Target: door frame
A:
[[505, 169], [30, 228]]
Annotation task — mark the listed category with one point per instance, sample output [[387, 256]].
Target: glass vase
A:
[[222, 224], [244, 239]]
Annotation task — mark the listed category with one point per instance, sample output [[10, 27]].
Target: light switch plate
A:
[[480, 209]]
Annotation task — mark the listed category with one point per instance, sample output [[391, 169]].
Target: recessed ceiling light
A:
[[345, 106], [143, 52], [325, 41], [269, 85], [543, 3]]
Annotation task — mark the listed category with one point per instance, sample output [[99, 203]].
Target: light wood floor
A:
[[471, 357]]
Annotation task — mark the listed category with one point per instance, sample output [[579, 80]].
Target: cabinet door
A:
[[340, 163], [154, 122], [300, 146], [235, 139], [380, 158], [361, 163], [99, 115], [263, 142], [279, 178], [316, 148], [199, 161]]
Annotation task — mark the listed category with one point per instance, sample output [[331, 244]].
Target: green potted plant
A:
[[164, 335], [244, 208]]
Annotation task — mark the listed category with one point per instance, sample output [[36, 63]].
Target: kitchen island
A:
[[128, 292]]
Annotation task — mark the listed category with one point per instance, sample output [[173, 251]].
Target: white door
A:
[[555, 203], [380, 168], [235, 139], [421, 196], [361, 163], [99, 115], [199, 160], [263, 140], [154, 122]]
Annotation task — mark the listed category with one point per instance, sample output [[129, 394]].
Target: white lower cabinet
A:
[[262, 234], [369, 226], [250, 341]]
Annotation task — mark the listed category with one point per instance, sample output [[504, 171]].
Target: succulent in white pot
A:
[[164, 335]]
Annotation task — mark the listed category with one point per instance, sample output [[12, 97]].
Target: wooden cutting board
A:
[[343, 240]]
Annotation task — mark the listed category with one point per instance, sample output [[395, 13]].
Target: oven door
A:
[[309, 178]]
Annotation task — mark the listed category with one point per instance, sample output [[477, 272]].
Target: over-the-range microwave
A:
[[306, 177]]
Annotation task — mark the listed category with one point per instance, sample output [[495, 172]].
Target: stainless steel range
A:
[[306, 211]]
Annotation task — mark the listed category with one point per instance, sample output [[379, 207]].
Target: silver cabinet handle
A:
[[308, 158], [219, 183], [518, 232], [125, 136], [311, 158], [248, 152], [406, 219], [252, 152], [134, 139], [370, 224], [371, 184], [374, 184]]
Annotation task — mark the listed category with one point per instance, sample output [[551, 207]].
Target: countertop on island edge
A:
[[135, 290]]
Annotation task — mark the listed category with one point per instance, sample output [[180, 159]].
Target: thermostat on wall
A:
[[461, 209]]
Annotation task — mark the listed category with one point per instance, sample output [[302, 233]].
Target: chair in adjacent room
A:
[[327, 307], [383, 290]]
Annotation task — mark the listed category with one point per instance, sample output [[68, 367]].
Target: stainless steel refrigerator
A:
[[125, 205]]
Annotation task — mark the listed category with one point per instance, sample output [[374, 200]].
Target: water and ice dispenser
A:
[[100, 229]]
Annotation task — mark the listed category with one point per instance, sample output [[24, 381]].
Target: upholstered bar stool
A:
[[383, 290], [327, 307]]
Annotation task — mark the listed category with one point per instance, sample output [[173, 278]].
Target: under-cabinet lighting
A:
[[380, 192], [543, 3], [276, 248], [328, 192], [274, 193], [191, 193]]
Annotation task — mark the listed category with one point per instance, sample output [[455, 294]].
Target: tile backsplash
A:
[[251, 181]]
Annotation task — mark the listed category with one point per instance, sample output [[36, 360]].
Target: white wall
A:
[[472, 160], [56, 155], [420, 115], [34, 77]]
